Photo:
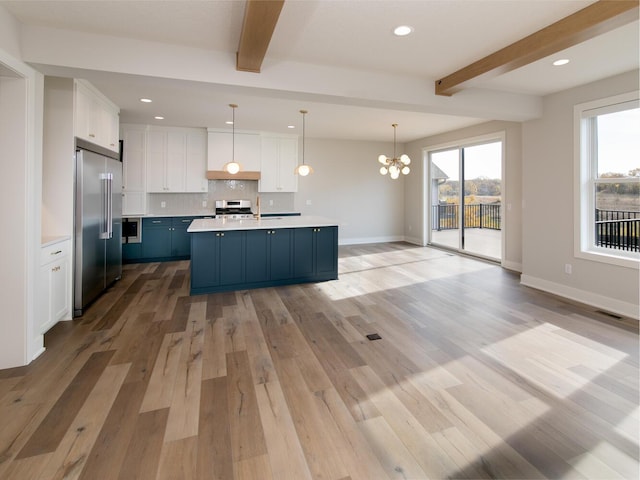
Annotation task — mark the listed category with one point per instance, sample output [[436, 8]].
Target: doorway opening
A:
[[465, 198]]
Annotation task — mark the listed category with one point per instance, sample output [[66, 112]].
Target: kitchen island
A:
[[253, 253]]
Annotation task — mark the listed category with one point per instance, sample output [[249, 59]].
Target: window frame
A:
[[586, 179]]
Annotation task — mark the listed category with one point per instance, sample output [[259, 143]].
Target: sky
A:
[[480, 161], [619, 141]]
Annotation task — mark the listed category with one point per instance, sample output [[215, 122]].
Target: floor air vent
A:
[[374, 336], [609, 314]]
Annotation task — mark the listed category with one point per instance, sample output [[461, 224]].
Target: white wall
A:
[[58, 157], [21, 92], [9, 33], [512, 196], [548, 177], [346, 185]]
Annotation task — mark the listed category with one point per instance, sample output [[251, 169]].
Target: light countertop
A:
[[47, 240], [219, 224]]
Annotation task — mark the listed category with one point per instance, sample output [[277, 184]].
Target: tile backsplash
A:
[[192, 203]]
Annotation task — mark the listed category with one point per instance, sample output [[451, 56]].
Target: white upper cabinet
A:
[[278, 162], [220, 150], [133, 158], [176, 160], [156, 154], [196, 162], [133, 170], [96, 117]]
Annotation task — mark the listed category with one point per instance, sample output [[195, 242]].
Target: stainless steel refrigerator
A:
[[98, 223]]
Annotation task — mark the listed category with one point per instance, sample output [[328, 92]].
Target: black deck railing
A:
[[476, 215], [618, 229]]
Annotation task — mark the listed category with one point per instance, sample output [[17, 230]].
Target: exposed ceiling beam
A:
[[260, 18], [597, 18]]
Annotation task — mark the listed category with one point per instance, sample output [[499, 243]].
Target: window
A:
[[608, 180]]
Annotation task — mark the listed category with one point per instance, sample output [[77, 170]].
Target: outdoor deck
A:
[[480, 241]]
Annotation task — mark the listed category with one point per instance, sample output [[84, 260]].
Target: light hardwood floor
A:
[[474, 376]]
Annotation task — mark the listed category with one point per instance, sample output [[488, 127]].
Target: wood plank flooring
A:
[[474, 376]]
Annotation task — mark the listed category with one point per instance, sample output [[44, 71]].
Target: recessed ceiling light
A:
[[402, 30], [146, 100], [159, 117], [291, 126], [562, 61], [229, 122]]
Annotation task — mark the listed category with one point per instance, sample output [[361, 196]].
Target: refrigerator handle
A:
[[110, 205], [106, 205]]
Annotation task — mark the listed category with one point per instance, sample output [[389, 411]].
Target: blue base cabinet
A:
[[163, 239], [315, 252], [220, 259], [238, 260]]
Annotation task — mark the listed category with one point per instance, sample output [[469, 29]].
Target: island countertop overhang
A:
[[221, 225]]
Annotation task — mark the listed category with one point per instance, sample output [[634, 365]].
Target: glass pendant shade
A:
[[394, 166], [303, 170], [232, 167]]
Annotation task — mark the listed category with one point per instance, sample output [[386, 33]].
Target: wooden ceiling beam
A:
[[260, 18], [597, 18]]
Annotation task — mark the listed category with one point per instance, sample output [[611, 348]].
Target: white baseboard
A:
[[414, 241], [514, 266], [589, 298], [360, 241]]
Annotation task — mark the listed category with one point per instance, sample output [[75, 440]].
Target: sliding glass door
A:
[[466, 199]]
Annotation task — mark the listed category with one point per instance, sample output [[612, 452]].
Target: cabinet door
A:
[[206, 271], [156, 238], [107, 121], [60, 293], [280, 243], [278, 162], [133, 161], [218, 150], [83, 118], [326, 255], [175, 161], [134, 204], [303, 252], [196, 162], [131, 252], [288, 159], [156, 150], [180, 239], [231, 259], [248, 151], [54, 293], [257, 259], [269, 165]]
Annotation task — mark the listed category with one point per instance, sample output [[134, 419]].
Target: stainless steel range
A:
[[233, 209]]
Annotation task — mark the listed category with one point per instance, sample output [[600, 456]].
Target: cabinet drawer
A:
[[52, 252], [182, 221], [156, 222]]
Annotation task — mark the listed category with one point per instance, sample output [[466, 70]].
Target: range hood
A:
[[241, 175]]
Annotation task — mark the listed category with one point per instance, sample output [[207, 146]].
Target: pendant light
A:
[[233, 167], [303, 169], [394, 166]]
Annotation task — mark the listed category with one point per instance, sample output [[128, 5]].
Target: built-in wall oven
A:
[[131, 230]]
